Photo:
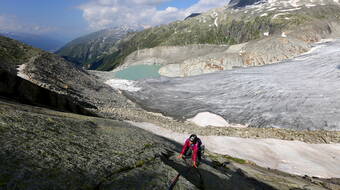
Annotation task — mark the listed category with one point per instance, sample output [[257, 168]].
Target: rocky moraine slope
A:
[[54, 73]]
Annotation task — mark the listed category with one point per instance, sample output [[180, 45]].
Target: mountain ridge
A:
[[229, 26], [38, 41], [87, 51]]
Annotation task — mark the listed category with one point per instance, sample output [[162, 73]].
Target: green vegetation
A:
[[232, 31], [237, 160], [217, 159], [146, 146], [90, 51], [140, 163]]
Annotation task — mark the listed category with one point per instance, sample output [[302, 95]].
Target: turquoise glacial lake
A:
[[137, 72]]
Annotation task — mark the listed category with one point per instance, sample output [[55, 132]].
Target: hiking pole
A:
[[174, 181]]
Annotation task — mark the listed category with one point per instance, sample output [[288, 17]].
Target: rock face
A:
[[297, 94], [43, 149], [243, 3], [16, 88], [88, 51], [192, 15]]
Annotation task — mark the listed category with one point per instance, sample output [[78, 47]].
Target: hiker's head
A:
[[193, 138]]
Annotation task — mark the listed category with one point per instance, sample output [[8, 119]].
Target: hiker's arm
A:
[[185, 147]]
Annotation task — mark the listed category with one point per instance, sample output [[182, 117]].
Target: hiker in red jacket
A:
[[192, 146]]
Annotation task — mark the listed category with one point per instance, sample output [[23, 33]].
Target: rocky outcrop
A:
[[192, 15], [243, 3], [58, 75], [16, 88]]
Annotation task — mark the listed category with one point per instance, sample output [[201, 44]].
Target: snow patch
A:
[[279, 14], [122, 84], [21, 73], [205, 119], [264, 14], [272, 9], [290, 10], [215, 22], [295, 157], [310, 5], [294, 3]]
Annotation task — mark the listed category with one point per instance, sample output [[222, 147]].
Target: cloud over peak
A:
[[110, 13]]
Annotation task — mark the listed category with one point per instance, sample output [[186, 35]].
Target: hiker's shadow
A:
[[211, 175]]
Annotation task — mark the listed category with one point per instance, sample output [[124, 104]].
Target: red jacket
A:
[[194, 147]]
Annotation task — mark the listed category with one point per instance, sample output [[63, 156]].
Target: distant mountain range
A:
[[39, 41], [239, 22], [91, 51]]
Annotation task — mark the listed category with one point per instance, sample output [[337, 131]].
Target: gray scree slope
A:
[[303, 93]]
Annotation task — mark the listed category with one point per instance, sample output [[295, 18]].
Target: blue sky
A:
[[72, 18], [177, 3]]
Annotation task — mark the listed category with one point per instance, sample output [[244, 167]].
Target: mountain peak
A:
[[243, 3], [192, 15], [292, 3]]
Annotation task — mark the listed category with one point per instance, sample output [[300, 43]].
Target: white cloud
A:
[[12, 24], [204, 5], [107, 13]]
